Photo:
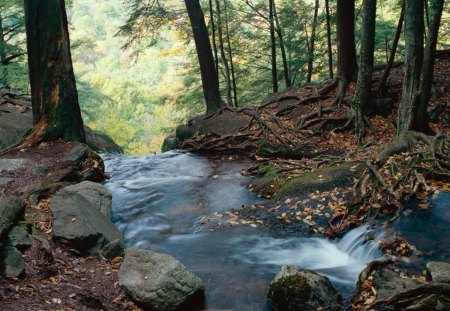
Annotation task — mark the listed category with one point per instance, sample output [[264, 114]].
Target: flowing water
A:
[[158, 199]]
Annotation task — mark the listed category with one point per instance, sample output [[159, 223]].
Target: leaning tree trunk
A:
[[362, 102], [210, 80], [387, 70], [273, 48], [56, 112], [347, 67], [414, 28], [435, 9], [330, 51], [311, 43], [287, 79], [223, 55]]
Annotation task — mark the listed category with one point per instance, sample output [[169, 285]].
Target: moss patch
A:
[[289, 293]]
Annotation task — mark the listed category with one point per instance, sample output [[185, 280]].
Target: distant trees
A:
[[210, 80], [56, 112]]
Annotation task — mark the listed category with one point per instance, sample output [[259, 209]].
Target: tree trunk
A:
[[273, 48], [330, 51], [56, 112], [414, 29], [223, 54], [283, 50], [4, 69], [213, 36], [311, 43], [362, 102], [347, 66], [209, 76], [230, 55], [421, 121], [387, 70]]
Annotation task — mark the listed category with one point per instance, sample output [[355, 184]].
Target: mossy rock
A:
[[280, 151]]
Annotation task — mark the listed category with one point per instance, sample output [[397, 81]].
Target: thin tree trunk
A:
[[311, 44], [4, 69], [362, 100], [387, 70], [421, 120], [209, 75], [414, 30], [223, 54], [213, 35], [273, 48], [283, 50], [347, 66], [230, 55], [56, 112], [330, 51]]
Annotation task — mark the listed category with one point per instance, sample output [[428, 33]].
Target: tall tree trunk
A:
[[230, 55], [421, 121], [347, 66], [213, 35], [273, 48], [56, 112], [362, 101], [387, 70], [4, 69], [223, 54], [330, 51], [311, 43], [210, 80], [283, 50], [414, 30]]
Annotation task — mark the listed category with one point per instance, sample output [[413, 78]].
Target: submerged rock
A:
[[12, 263], [11, 209], [95, 193], [80, 224], [439, 271], [295, 289], [159, 282]]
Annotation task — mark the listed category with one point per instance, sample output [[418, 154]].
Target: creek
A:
[[158, 199]]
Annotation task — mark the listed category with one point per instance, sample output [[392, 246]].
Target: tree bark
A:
[[210, 81], [347, 67], [56, 111], [414, 30], [435, 9], [282, 48], [362, 102], [230, 55], [330, 51], [311, 43], [213, 35], [273, 48], [4, 69], [223, 54], [387, 70]]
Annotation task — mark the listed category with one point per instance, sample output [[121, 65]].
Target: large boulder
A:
[[159, 282], [295, 289], [79, 223], [11, 208], [439, 271], [95, 193], [100, 142]]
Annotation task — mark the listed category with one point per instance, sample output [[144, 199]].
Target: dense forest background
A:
[[137, 69]]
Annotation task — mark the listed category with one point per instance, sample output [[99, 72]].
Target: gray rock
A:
[[77, 222], [158, 282], [11, 164], [387, 282], [11, 208], [78, 153], [12, 262], [95, 193], [13, 126], [19, 238], [298, 289], [100, 142], [113, 249], [439, 271], [5, 181], [171, 142]]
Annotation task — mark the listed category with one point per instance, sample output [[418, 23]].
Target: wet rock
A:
[[100, 142], [11, 208], [439, 271], [297, 289], [19, 238], [95, 193], [159, 282], [12, 263], [12, 164], [171, 142], [78, 223], [114, 249]]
